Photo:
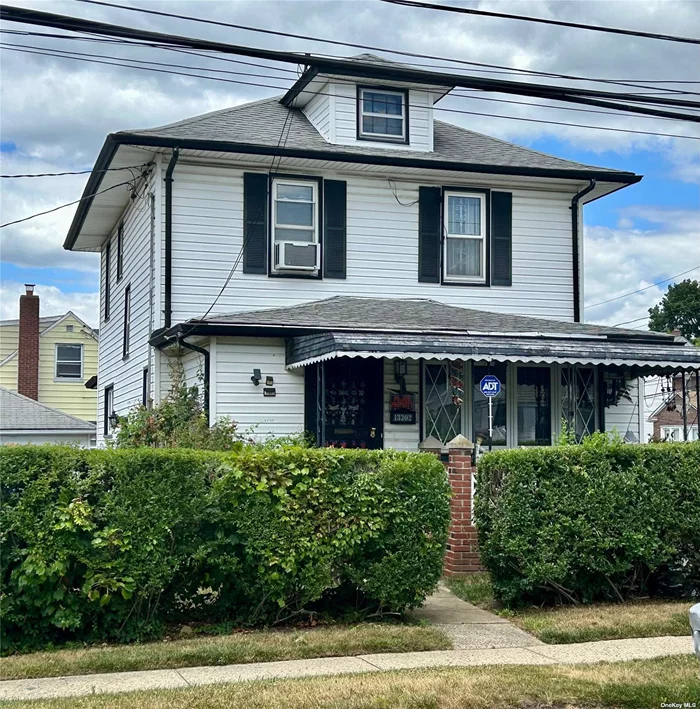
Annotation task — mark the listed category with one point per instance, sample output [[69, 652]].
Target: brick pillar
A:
[[462, 555], [28, 346]]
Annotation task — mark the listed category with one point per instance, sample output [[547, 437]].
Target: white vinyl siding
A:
[[625, 417], [127, 374], [237, 397], [382, 250], [319, 112]]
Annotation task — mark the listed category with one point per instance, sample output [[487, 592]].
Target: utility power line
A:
[[634, 292], [627, 322], [69, 204], [118, 63], [354, 45], [78, 172], [542, 20], [360, 69], [52, 50]]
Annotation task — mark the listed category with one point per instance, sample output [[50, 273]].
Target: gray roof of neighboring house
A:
[[261, 123], [44, 322], [418, 315], [20, 413]]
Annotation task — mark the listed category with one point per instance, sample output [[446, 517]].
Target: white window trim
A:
[[383, 136], [315, 212], [448, 278], [62, 378]]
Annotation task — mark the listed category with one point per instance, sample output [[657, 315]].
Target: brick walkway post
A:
[[462, 555]]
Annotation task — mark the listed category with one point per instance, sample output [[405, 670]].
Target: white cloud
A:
[[53, 302]]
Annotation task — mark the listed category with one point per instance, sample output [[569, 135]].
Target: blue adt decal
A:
[[490, 385]]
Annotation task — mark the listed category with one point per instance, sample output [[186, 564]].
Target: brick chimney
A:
[[28, 355]]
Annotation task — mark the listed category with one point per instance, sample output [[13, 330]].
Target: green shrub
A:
[[113, 544], [599, 520]]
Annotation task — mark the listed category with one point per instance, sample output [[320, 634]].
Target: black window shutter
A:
[[429, 241], [255, 222], [335, 228], [501, 238]]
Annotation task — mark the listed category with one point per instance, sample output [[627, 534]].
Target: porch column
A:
[[462, 555]]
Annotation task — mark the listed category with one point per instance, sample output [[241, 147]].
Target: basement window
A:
[[69, 361]]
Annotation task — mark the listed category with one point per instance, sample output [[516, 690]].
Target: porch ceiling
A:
[[643, 357]]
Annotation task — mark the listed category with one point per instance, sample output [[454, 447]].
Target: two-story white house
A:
[[337, 261]]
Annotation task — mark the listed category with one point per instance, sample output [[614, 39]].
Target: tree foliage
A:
[[678, 310]]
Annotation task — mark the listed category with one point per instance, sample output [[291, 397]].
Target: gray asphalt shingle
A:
[[20, 413]]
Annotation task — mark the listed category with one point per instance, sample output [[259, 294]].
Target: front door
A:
[[349, 395]]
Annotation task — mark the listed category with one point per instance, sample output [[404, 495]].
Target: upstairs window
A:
[[295, 225], [108, 276], [382, 115], [69, 362], [465, 237]]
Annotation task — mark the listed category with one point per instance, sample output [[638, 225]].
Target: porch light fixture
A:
[[256, 377], [400, 371], [113, 419]]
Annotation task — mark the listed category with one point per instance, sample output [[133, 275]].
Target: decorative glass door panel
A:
[[578, 400], [444, 396]]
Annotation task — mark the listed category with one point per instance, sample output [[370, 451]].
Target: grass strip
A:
[[257, 646], [639, 683]]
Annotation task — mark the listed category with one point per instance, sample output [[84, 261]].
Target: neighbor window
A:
[[69, 361], [120, 251], [465, 237], [127, 322], [382, 114]]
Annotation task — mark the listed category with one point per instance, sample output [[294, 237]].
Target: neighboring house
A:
[[668, 416], [23, 420], [49, 359], [338, 261]]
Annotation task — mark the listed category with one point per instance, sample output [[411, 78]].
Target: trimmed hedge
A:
[[113, 544], [603, 520]]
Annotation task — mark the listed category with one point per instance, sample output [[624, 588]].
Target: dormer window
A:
[[382, 115]]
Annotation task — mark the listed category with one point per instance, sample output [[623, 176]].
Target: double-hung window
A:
[[120, 251], [295, 225], [108, 276], [382, 115], [465, 237], [69, 362]]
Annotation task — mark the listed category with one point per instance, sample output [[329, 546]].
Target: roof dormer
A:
[[355, 110]]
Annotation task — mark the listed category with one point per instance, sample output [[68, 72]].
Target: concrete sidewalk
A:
[[605, 651]]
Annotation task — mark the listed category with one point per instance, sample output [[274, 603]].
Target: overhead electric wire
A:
[[627, 322], [363, 70], [68, 54], [541, 20], [78, 172], [473, 65], [283, 88], [69, 204], [634, 292], [353, 45]]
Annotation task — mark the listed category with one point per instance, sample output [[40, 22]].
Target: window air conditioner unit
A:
[[296, 256]]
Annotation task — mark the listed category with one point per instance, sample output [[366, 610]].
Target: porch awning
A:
[[643, 357]]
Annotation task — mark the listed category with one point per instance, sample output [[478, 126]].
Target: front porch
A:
[[397, 403]]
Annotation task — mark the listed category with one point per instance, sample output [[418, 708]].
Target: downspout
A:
[[205, 353], [575, 247], [167, 316]]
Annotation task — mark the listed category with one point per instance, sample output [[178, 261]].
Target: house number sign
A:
[[402, 408]]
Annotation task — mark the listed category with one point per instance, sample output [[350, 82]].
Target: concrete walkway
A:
[[469, 627], [607, 651]]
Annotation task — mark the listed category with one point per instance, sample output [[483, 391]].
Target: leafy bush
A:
[[599, 520], [112, 544]]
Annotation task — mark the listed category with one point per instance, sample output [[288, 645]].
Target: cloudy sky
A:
[[56, 112]]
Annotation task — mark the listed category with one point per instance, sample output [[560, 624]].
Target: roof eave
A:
[[627, 178]]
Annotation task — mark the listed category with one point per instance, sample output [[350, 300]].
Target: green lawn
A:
[[584, 623], [257, 646], [641, 683]]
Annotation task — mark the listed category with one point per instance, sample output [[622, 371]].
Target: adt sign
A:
[[490, 385]]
